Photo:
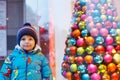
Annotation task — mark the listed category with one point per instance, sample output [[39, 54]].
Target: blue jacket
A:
[[26, 66]]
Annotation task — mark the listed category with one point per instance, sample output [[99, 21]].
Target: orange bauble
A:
[[88, 59], [89, 40], [111, 67], [78, 19], [106, 77], [69, 75], [84, 8], [75, 33]]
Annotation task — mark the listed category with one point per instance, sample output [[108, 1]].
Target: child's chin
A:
[[27, 50]]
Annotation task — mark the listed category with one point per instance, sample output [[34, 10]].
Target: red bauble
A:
[[115, 76], [73, 50], [79, 59], [100, 49], [117, 48]]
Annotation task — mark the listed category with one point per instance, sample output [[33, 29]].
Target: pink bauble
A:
[[109, 49], [114, 13], [109, 40], [95, 1], [109, 12], [65, 66], [114, 24], [80, 42], [98, 25], [108, 24], [92, 68], [94, 32], [103, 31], [89, 12], [106, 6], [75, 26], [83, 17], [95, 76], [92, 6], [78, 8], [107, 58], [75, 9], [103, 11], [89, 19], [91, 24]]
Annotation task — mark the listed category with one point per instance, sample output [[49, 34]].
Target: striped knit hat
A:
[[26, 30]]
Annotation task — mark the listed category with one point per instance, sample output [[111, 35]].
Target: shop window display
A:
[[93, 44], [44, 40]]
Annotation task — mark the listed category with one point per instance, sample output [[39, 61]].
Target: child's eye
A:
[[23, 39], [30, 39]]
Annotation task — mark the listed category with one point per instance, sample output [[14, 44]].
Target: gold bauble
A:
[[116, 58]]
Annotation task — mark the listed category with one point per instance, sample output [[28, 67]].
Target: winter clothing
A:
[[26, 30], [20, 65]]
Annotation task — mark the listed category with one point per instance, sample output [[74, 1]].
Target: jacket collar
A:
[[35, 50]]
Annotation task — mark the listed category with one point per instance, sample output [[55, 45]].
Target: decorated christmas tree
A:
[[93, 44]]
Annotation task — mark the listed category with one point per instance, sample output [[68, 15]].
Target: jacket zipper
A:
[[26, 64]]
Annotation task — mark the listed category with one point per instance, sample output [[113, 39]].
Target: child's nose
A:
[[26, 41]]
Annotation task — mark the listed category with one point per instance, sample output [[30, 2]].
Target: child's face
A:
[[27, 43]]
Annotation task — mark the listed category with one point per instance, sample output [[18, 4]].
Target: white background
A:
[[62, 19]]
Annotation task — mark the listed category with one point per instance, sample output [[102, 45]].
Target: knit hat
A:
[[27, 24], [26, 30]]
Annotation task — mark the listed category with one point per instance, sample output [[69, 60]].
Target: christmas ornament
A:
[[92, 49]]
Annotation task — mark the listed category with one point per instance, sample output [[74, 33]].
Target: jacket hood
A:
[[35, 50]]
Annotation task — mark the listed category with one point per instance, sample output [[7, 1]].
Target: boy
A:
[[26, 62]]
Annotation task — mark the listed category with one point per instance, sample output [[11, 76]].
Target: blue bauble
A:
[[98, 59], [74, 19], [112, 7], [82, 68], [85, 77], [82, 2], [98, 6], [67, 50], [84, 32], [118, 24], [71, 42], [110, 18], [65, 58], [96, 13], [102, 1], [97, 19], [99, 40], [113, 32]]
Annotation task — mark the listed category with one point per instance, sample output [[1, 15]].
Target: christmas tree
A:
[[93, 45]]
